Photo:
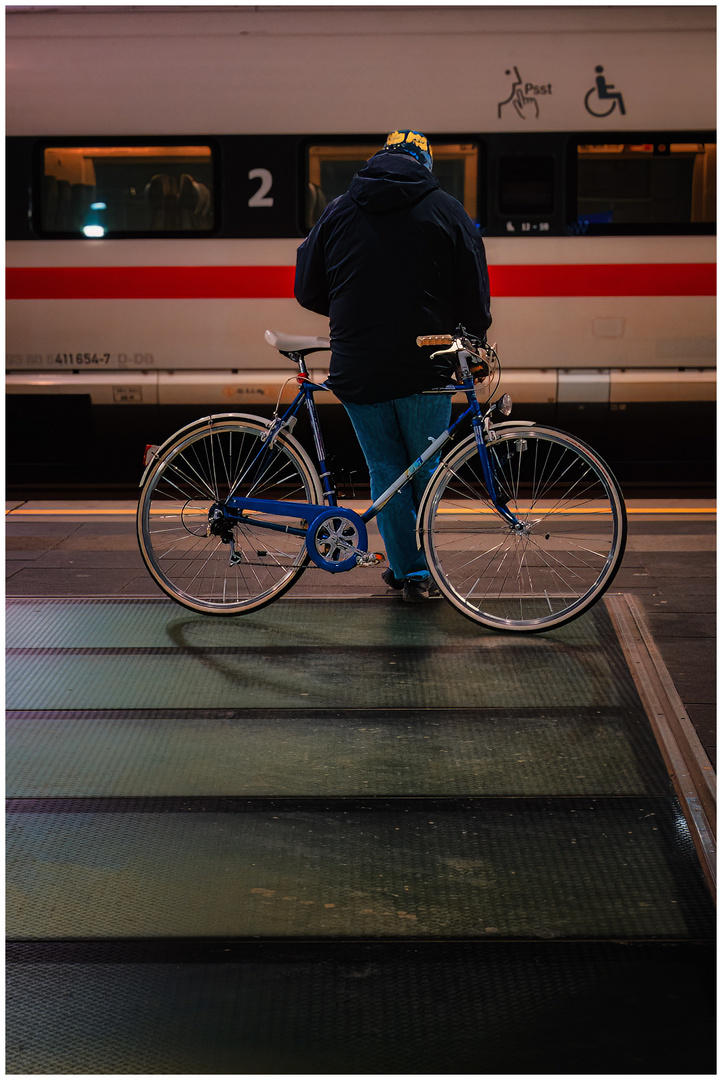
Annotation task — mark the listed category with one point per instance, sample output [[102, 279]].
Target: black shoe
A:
[[416, 590], [392, 581]]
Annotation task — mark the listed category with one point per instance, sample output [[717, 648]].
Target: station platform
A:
[[347, 834]]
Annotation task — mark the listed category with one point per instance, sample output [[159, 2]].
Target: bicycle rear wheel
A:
[[200, 467], [564, 555]]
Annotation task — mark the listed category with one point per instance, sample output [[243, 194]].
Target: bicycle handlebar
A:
[[435, 339]]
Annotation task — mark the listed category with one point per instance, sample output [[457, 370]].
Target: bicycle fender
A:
[[205, 421], [513, 424]]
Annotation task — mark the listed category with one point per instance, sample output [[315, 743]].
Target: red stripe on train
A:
[[616, 279], [150, 283], [276, 282]]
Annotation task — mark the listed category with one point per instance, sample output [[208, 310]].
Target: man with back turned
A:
[[393, 258]]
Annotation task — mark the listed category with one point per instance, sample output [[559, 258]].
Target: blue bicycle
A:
[[523, 526]]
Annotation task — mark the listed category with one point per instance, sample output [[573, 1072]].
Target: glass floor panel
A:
[[558, 868], [342, 836], [491, 1008]]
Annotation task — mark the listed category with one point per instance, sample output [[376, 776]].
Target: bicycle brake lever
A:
[[444, 352]]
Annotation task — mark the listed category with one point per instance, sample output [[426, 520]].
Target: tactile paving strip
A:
[[566, 1009], [613, 868]]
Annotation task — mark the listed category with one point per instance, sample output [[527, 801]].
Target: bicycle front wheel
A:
[[556, 562], [200, 468]]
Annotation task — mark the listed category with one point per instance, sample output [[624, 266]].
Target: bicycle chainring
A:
[[336, 539]]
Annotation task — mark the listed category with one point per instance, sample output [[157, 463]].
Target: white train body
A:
[[604, 314]]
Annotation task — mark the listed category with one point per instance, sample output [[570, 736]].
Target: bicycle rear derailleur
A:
[[219, 525]]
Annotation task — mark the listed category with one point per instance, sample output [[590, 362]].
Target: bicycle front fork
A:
[[499, 500]]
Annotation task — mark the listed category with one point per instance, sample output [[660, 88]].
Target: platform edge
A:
[[689, 767]]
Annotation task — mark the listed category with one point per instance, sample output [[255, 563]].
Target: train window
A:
[[111, 190], [526, 185], [331, 167], [622, 186]]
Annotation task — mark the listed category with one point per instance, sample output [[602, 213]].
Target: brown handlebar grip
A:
[[435, 339]]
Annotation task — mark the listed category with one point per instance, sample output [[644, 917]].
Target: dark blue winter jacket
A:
[[393, 258]]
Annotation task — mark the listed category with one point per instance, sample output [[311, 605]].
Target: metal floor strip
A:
[[688, 765]]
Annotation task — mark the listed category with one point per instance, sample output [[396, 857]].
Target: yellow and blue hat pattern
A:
[[411, 142]]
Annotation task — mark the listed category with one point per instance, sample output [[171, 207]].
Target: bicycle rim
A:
[[205, 466], [569, 547]]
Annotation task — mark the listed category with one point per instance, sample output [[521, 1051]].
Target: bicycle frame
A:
[[270, 514], [235, 508]]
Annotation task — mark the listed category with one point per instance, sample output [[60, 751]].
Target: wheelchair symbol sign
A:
[[601, 100]]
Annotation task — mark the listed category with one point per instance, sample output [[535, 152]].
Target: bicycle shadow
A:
[[399, 658]]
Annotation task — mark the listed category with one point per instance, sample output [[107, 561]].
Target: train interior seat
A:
[[185, 205], [162, 194], [195, 204]]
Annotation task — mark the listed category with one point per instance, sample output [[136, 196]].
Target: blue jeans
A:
[[393, 434]]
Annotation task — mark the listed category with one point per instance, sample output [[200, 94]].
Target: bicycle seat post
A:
[[330, 494], [300, 359]]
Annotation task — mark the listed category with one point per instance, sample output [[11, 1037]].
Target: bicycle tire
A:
[[199, 466], [561, 562]]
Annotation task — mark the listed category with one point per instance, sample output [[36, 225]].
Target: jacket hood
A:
[[391, 182]]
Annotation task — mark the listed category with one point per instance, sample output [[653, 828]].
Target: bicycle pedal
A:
[[371, 558]]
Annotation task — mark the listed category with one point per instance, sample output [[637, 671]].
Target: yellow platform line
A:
[[590, 510], [90, 511]]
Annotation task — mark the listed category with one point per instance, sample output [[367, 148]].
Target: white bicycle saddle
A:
[[287, 343]]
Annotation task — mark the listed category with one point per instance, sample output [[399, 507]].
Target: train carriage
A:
[[164, 164]]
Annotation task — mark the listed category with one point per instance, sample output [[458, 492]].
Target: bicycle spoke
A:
[[558, 558], [227, 457]]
